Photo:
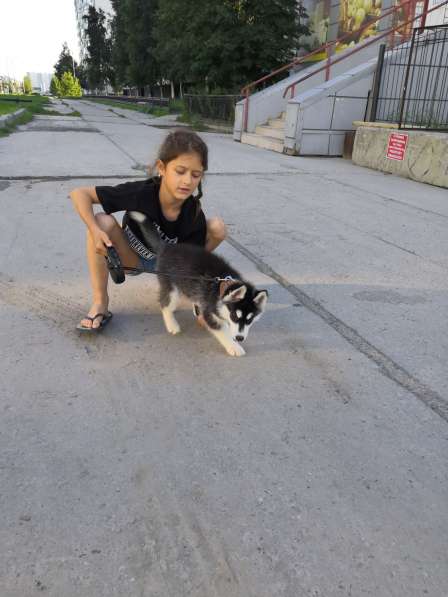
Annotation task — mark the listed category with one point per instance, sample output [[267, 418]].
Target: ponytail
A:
[[197, 201]]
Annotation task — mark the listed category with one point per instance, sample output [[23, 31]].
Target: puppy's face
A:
[[242, 306]]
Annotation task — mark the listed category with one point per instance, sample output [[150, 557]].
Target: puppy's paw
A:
[[235, 350], [173, 328]]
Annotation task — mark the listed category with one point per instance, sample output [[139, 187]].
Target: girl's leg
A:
[[216, 233], [99, 274]]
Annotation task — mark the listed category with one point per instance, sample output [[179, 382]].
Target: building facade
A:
[[40, 82], [81, 10], [330, 20]]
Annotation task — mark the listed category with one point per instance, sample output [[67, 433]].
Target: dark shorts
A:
[[146, 258]]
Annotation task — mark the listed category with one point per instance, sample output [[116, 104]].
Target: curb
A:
[[7, 117]]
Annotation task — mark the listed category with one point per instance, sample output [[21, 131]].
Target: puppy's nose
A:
[[239, 338]]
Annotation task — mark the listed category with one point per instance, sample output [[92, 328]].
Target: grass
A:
[[194, 121], [8, 107], [153, 111], [56, 113], [35, 106]]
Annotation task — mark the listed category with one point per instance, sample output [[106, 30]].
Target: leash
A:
[[117, 272]]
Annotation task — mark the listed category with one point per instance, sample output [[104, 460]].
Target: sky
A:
[[32, 34]]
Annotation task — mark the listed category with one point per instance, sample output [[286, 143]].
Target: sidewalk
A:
[[136, 463]]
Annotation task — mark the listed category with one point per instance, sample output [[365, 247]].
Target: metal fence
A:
[[411, 82], [213, 107]]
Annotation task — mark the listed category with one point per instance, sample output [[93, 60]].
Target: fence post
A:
[[424, 13], [406, 80], [377, 82], [246, 111]]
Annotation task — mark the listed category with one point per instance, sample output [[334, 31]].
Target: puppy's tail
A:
[[149, 231]]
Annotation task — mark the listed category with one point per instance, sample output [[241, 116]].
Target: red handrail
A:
[[246, 89], [358, 49], [324, 46]]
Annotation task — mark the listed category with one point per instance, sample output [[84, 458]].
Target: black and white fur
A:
[[228, 308]]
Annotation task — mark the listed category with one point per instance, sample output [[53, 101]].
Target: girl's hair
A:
[[181, 141]]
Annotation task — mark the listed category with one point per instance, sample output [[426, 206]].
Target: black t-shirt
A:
[[143, 196]]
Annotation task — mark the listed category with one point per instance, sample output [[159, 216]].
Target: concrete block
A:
[[358, 86], [318, 115], [238, 125], [336, 145], [425, 157], [315, 143], [346, 109]]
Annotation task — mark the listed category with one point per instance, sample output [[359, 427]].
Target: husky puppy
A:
[[226, 303]]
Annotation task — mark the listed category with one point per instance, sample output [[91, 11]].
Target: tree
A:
[[119, 50], [226, 43], [140, 16], [81, 75], [69, 86], [174, 38], [55, 86], [98, 60], [27, 85], [66, 63]]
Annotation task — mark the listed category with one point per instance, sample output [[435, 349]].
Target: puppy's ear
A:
[[235, 295], [260, 299]]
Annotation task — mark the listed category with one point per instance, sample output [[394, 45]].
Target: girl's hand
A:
[[101, 241]]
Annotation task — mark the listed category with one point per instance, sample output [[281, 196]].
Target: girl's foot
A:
[[97, 314]]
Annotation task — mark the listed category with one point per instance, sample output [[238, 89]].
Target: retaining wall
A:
[[420, 155]]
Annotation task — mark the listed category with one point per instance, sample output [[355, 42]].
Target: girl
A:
[[168, 200]]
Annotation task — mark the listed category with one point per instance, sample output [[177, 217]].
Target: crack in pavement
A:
[[100, 132], [387, 366], [137, 166]]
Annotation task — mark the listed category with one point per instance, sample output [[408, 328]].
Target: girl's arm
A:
[[83, 199]]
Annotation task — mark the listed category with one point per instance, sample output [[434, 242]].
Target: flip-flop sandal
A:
[[93, 330]]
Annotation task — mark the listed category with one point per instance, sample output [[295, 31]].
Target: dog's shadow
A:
[[134, 324]]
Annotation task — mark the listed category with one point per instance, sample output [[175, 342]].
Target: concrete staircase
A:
[[268, 136]]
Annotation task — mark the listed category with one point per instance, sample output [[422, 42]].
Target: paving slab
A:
[[140, 464]]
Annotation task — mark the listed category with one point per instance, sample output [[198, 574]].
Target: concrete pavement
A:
[[138, 464]]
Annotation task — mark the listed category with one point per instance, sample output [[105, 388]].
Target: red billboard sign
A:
[[396, 148]]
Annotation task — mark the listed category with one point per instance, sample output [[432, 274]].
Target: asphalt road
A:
[[137, 464]]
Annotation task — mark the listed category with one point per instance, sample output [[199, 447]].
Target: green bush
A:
[[55, 86], [27, 86], [69, 85], [176, 106]]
